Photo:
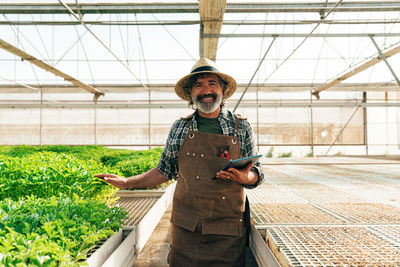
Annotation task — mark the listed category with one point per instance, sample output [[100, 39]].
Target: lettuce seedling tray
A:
[[145, 208]]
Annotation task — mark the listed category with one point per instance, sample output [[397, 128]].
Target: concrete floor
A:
[[330, 211], [345, 191], [155, 252]]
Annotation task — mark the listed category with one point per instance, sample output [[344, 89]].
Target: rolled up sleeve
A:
[[250, 149]]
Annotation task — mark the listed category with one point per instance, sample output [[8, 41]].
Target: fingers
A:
[[106, 175], [248, 167], [228, 174], [112, 179], [233, 174]]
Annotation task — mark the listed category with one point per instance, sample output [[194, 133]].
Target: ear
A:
[[188, 92], [224, 91]]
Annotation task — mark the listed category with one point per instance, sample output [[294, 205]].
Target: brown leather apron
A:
[[207, 214]]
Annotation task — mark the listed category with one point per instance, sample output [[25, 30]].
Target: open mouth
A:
[[207, 98]]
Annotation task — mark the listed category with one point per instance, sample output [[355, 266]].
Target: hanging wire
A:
[[337, 52], [20, 84], [17, 33], [311, 128], [341, 131], [127, 42], [142, 53], [141, 49], [261, 46], [317, 63], [103, 44], [86, 57], [234, 30], [302, 42], [41, 39], [122, 39], [134, 47], [360, 40], [278, 48], [179, 43], [73, 45], [258, 82], [39, 90], [320, 52], [391, 30], [255, 72], [23, 36]]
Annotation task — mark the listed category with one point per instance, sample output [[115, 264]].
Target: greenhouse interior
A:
[[88, 87]]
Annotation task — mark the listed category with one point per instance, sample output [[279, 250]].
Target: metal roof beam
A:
[[195, 22], [101, 105], [117, 8], [100, 8], [301, 35], [348, 6], [211, 16], [382, 55], [25, 56], [136, 88], [356, 70]]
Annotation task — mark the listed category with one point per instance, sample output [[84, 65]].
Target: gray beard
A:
[[208, 107]]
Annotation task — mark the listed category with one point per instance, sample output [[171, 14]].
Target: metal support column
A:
[[365, 123], [311, 128], [385, 60], [255, 72], [201, 40], [149, 118], [341, 131], [95, 123], [41, 117], [258, 121]]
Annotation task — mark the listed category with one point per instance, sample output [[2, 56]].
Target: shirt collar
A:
[[223, 115]]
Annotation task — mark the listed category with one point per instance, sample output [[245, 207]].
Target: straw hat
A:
[[204, 65]]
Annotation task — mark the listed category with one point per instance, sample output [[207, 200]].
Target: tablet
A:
[[240, 163]]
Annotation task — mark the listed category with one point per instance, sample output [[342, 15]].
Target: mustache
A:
[[201, 97]]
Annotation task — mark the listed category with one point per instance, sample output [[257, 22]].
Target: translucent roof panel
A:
[[298, 46]]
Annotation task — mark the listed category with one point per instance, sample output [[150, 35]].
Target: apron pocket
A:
[[221, 227], [203, 207], [184, 220]]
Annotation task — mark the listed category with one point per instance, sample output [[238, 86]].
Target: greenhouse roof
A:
[[309, 45]]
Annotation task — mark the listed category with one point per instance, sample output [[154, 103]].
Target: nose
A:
[[206, 89]]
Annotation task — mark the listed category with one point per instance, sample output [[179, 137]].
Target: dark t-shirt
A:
[[206, 125]]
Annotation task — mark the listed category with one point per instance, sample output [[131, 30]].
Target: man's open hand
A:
[[113, 179]]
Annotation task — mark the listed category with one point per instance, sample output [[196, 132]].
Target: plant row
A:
[[52, 208], [57, 231]]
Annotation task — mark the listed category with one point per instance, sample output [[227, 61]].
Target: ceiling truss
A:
[[269, 87], [119, 8], [25, 56], [211, 19]]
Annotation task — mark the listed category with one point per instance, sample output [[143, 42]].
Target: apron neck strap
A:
[[235, 131], [192, 126]]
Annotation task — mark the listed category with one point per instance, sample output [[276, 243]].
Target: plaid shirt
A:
[[168, 164]]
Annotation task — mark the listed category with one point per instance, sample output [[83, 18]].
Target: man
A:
[[208, 211]]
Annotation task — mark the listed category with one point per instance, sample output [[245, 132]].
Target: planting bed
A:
[[335, 246], [55, 212], [313, 215], [136, 207], [145, 208], [290, 214]]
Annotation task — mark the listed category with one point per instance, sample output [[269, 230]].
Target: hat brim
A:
[[183, 83]]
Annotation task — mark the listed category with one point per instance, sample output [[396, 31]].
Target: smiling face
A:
[[207, 95]]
